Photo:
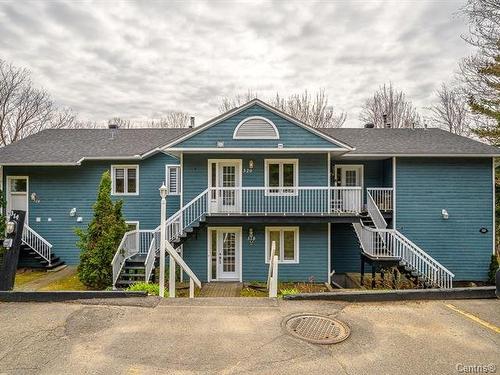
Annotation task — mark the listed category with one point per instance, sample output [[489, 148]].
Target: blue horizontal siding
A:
[[59, 189], [291, 135], [313, 255], [345, 249], [464, 188], [313, 170]]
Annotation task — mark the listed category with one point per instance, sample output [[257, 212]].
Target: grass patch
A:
[[28, 276], [258, 289], [151, 289], [71, 282]]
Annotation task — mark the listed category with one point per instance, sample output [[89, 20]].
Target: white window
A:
[[173, 179], [286, 240], [125, 179], [281, 174]]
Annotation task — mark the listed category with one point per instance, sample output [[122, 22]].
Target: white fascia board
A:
[[269, 108], [253, 150], [352, 156]]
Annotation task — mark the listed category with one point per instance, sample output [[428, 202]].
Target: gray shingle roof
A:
[[409, 142], [69, 146]]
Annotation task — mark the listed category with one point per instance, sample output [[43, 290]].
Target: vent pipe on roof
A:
[[369, 126], [191, 124], [386, 123]]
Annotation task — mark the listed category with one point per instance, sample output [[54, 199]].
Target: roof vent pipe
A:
[[191, 124], [386, 123], [369, 126]]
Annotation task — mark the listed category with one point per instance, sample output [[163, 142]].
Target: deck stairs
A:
[[380, 244], [138, 253], [36, 252]]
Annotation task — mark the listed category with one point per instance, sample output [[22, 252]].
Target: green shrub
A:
[[99, 242], [152, 289], [493, 268]]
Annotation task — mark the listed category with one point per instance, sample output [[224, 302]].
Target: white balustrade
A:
[[37, 243], [390, 243], [382, 197], [285, 201]]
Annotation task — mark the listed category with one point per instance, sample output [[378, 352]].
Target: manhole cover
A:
[[317, 329]]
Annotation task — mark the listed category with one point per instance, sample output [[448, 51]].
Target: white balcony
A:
[[285, 201]]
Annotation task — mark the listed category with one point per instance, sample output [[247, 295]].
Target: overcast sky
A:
[[136, 60]]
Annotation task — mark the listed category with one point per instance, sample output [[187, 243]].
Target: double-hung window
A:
[[125, 179], [281, 176], [286, 240], [173, 179]]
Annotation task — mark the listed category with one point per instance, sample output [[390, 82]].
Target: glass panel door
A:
[[228, 197], [228, 254]]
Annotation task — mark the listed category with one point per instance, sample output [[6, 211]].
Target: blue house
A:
[[330, 200]]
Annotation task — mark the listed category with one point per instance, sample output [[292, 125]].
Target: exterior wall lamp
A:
[[251, 236], [250, 165], [445, 214]]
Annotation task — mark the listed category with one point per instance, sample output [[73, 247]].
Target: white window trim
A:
[[295, 162], [361, 170], [7, 197], [282, 242], [126, 166], [276, 132], [167, 178]]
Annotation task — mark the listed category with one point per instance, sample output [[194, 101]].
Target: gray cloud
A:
[[137, 59]]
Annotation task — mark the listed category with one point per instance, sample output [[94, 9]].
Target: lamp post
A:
[[163, 219]]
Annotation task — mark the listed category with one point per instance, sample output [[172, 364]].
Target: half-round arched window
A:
[[256, 127]]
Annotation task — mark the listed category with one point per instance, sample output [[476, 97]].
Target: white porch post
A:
[[171, 278], [163, 219]]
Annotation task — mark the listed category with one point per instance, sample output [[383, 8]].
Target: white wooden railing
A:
[[133, 243], [285, 201], [382, 197], [37, 243], [389, 243], [272, 275], [374, 212], [175, 226]]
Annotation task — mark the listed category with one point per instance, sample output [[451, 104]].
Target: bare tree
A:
[[451, 112], [389, 104], [313, 110], [170, 119], [120, 122], [25, 109]]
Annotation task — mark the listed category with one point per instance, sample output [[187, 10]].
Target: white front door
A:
[[350, 175], [225, 254], [17, 194], [225, 179]]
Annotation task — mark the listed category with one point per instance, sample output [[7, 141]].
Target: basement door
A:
[[225, 254]]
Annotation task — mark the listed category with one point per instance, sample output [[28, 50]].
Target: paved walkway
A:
[[46, 279], [221, 289]]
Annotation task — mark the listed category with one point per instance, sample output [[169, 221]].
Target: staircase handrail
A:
[[399, 246], [374, 211], [37, 243], [171, 232]]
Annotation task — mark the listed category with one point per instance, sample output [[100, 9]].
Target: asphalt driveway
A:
[[245, 336]]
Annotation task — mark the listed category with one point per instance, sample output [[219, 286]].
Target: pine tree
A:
[[100, 241]]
